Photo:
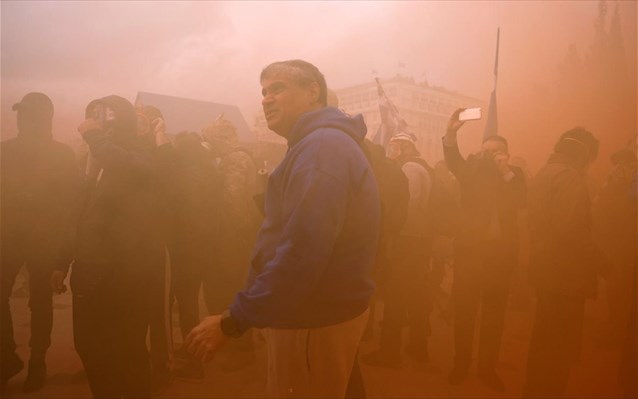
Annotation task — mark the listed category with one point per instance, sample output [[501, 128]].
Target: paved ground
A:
[[595, 376]]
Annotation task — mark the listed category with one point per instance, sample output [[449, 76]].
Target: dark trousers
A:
[[406, 298], [555, 345], [40, 300], [188, 263], [110, 322], [481, 277], [160, 318]]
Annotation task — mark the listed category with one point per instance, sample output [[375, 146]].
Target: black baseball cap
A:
[[36, 104]]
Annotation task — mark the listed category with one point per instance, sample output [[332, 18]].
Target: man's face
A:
[[284, 101], [393, 150], [492, 148]]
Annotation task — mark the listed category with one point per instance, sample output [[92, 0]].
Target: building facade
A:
[[425, 108]]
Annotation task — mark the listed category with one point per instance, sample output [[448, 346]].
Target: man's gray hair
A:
[[302, 71]]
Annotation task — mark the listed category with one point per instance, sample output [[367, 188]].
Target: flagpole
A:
[[491, 126], [498, 37]]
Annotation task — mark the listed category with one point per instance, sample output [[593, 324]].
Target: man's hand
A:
[[454, 124], [88, 125], [205, 339], [57, 282]]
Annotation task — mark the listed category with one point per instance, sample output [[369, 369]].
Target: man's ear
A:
[[313, 93]]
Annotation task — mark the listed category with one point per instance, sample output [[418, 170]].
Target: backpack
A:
[[443, 211]]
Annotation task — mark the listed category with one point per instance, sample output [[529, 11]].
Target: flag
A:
[[391, 121], [491, 126]]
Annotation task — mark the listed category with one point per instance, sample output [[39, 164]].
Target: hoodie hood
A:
[[125, 123], [328, 117]]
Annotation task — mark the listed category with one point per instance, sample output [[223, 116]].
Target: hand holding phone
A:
[[470, 114], [453, 125]]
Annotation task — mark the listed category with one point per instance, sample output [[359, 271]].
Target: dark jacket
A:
[[394, 194], [117, 227], [316, 248], [191, 193], [488, 202], [564, 258], [40, 190]]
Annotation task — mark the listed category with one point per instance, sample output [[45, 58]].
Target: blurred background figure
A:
[[151, 130], [238, 220], [405, 295], [615, 219], [614, 212], [40, 182], [192, 223], [485, 250], [565, 262]]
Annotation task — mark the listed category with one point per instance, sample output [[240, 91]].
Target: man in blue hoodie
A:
[[310, 282]]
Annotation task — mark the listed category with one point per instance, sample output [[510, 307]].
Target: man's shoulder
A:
[[329, 145], [62, 148], [558, 176], [417, 165], [328, 136]]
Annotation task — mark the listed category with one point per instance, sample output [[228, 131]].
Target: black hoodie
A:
[[116, 228]]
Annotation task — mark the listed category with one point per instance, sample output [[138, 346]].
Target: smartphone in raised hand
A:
[[470, 114]]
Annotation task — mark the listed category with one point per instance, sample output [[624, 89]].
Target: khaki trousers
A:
[[312, 363]]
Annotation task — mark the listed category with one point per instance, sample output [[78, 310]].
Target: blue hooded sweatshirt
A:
[[314, 253]]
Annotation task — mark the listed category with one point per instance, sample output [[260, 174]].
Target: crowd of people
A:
[[145, 221]]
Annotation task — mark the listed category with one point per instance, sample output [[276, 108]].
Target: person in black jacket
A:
[[40, 182], [151, 128], [117, 249], [565, 262], [485, 249], [406, 295], [192, 203]]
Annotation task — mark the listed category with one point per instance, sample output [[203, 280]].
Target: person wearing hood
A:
[[310, 284], [116, 251], [40, 183], [565, 262], [485, 249]]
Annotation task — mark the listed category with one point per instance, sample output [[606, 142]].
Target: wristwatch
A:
[[229, 325]]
